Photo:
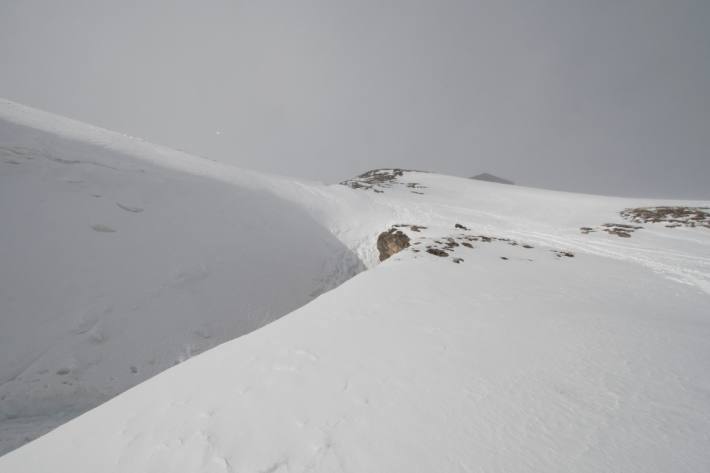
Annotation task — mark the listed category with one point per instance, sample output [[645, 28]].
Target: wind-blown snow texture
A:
[[544, 348]]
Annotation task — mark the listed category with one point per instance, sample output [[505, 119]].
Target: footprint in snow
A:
[[128, 208], [99, 227]]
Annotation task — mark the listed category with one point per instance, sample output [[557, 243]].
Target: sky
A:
[[603, 96]]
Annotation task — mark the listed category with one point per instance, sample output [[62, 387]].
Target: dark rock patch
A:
[[394, 240], [672, 216], [560, 253], [414, 228], [390, 242], [378, 180], [619, 229], [451, 243], [622, 230]]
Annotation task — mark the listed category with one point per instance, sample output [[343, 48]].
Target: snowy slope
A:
[[531, 346], [113, 268]]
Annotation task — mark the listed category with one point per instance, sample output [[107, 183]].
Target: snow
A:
[[113, 270], [538, 362]]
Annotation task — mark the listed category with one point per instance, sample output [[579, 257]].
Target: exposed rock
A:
[[378, 180], [390, 242], [451, 243], [414, 228], [673, 216], [620, 229], [619, 233], [560, 253]]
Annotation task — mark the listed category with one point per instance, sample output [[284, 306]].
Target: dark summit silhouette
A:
[[491, 178]]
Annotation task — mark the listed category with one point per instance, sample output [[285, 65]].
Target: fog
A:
[[608, 97]]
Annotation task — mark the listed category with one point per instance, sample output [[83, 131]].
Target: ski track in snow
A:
[[685, 268]]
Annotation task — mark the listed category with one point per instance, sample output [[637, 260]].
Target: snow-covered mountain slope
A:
[[113, 268], [555, 364], [542, 217], [520, 330]]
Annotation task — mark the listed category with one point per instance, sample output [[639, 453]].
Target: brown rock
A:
[[390, 242]]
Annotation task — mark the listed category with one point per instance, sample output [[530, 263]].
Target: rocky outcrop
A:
[[621, 230], [380, 180], [390, 242], [672, 216]]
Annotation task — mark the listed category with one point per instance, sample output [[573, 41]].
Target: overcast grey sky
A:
[[595, 96]]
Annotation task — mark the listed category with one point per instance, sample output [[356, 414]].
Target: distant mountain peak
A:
[[491, 178]]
